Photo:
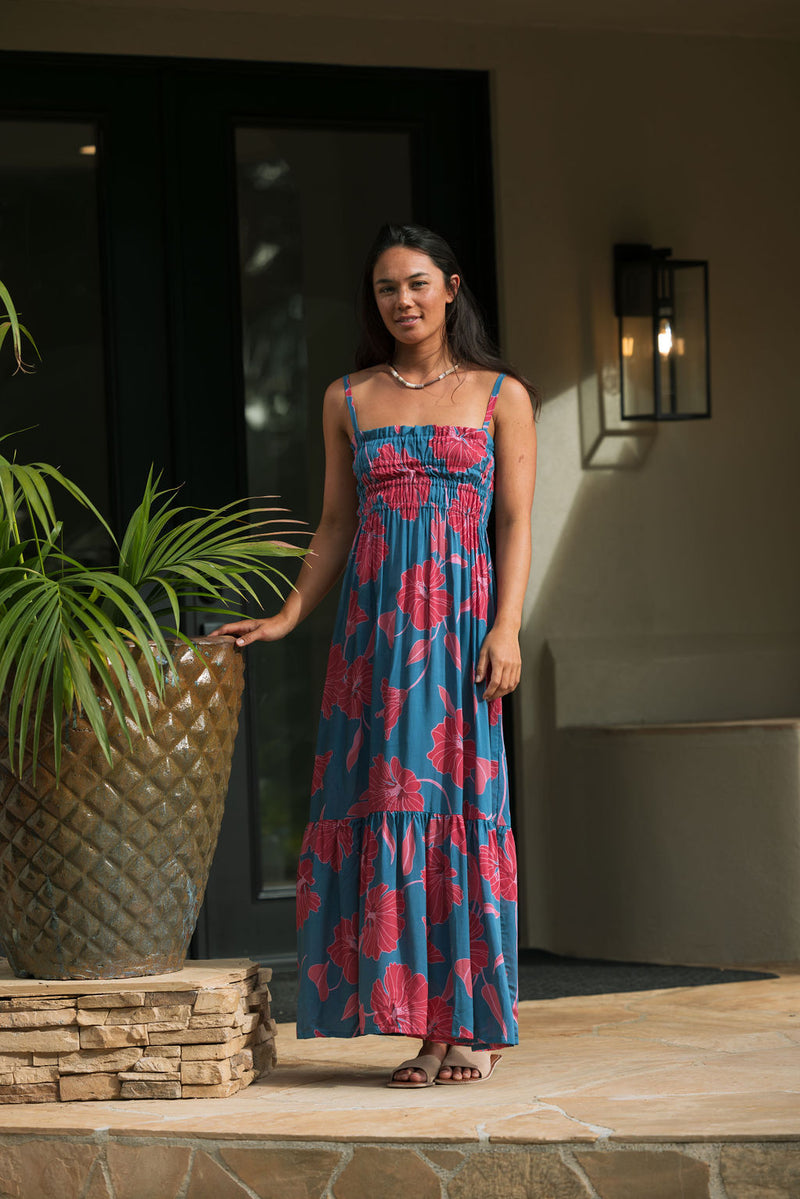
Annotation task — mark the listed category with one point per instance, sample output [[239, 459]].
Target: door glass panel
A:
[[309, 204], [50, 264]]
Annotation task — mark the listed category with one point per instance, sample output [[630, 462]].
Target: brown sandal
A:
[[427, 1063], [462, 1058]]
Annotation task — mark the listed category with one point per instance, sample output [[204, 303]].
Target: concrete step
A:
[[690, 1093]]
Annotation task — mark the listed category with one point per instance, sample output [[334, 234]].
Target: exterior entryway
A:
[[184, 239]]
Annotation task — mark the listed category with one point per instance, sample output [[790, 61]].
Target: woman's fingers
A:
[[248, 631], [235, 629], [483, 662], [247, 637], [503, 675]]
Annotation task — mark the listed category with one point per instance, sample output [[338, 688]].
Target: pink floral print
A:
[[406, 888]]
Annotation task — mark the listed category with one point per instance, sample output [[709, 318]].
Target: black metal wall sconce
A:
[[662, 306]]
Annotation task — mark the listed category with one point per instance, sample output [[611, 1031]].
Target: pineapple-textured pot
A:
[[102, 875]]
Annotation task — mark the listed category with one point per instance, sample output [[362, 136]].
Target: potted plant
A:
[[10, 323], [116, 729]]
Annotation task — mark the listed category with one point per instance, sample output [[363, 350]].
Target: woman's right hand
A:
[[268, 628]]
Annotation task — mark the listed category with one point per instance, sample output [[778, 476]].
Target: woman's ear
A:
[[452, 288]]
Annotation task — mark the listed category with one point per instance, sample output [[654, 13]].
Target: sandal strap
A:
[[427, 1064], [460, 1057]]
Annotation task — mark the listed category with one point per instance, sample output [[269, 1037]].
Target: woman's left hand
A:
[[499, 663]]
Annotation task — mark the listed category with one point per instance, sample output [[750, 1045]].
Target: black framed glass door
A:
[[235, 204], [81, 248]]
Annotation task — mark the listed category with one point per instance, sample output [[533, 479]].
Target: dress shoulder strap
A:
[[348, 395], [492, 401]]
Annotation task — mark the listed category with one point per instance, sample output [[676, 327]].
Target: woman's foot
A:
[[462, 1064], [416, 1077]]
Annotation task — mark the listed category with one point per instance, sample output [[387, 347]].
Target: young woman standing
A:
[[406, 894]]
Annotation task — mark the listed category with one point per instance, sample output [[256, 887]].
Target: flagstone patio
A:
[[690, 1093]]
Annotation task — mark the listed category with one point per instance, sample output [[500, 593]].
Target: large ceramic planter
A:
[[102, 875]]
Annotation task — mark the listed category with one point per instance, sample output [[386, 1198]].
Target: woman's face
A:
[[412, 294]]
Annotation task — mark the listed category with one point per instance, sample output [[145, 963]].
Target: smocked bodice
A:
[[404, 468]]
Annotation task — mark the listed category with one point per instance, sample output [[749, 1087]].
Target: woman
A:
[[406, 898]]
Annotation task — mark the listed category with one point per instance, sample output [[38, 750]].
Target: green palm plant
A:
[[73, 635], [10, 323]]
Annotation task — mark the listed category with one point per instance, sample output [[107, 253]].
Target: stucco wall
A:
[[679, 141]]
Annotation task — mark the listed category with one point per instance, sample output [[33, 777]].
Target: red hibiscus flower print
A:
[[356, 688], [443, 829], [460, 448], [464, 516], [440, 1019], [507, 866], [463, 970], [495, 711], [437, 830], [489, 863], [438, 538], [480, 587], [480, 770], [382, 922], [332, 841], [401, 480], [319, 977], [440, 891], [478, 949], [392, 788], [393, 700], [423, 596], [307, 900], [355, 615], [320, 766], [372, 548], [458, 833], [334, 677], [399, 1001], [474, 881], [450, 749], [369, 852], [343, 950]]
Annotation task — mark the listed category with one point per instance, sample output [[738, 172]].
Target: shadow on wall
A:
[[661, 556], [607, 441]]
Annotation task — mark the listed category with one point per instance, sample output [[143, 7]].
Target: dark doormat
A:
[[545, 975]]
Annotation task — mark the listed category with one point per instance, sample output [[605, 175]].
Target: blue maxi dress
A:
[[406, 887]]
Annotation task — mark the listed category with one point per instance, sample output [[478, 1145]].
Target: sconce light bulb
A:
[[664, 338], [627, 347]]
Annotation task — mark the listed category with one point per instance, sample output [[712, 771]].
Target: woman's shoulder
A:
[[336, 389], [512, 390], [515, 405], [358, 378]]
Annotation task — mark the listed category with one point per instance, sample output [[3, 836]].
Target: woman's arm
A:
[[500, 661], [331, 542]]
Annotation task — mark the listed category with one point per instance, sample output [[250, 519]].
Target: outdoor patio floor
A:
[[690, 1093]]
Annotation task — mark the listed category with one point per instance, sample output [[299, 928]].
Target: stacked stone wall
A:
[[206, 1037]]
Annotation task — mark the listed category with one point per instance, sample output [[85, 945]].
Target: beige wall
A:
[[680, 141]]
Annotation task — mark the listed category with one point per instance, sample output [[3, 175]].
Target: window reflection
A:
[[309, 203], [50, 263]]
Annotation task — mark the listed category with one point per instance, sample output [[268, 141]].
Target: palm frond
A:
[[89, 639], [16, 329], [183, 556]]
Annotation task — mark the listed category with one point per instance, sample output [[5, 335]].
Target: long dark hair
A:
[[464, 331]]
